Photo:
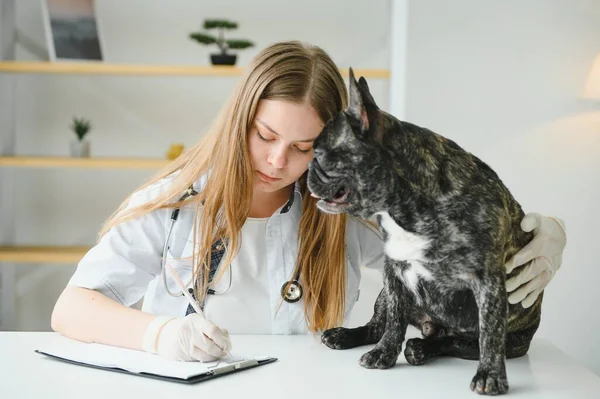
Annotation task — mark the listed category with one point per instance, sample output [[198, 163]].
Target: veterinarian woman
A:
[[247, 215]]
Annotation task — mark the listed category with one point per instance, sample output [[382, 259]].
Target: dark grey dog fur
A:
[[449, 226]]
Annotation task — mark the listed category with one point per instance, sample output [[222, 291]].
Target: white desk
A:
[[305, 368]]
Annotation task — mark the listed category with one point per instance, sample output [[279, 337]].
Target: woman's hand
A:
[[545, 253], [190, 338]]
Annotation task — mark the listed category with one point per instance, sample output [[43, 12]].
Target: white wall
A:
[[502, 78], [142, 116]]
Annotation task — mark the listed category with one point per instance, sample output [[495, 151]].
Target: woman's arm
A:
[[89, 316], [112, 276]]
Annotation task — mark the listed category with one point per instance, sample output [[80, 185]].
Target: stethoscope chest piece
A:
[[291, 291]]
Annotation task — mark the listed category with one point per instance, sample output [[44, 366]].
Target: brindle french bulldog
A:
[[449, 226]]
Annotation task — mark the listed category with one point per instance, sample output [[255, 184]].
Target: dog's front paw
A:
[[379, 358], [340, 338], [415, 352], [490, 382]]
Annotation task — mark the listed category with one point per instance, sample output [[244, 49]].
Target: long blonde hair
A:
[[288, 71]]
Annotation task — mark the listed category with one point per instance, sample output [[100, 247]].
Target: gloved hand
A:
[[545, 252], [189, 338]]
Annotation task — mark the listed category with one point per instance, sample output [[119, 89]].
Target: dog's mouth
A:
[[333, 194], [339, 198], [337, 203]]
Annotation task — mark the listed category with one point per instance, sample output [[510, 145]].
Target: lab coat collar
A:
[[288, 205], [292, 208]]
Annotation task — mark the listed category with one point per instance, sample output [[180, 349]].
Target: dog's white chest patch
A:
[[404, 246]]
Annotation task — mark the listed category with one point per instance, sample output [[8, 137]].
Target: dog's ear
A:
[[367, 98], [356, 107], [362, 105]]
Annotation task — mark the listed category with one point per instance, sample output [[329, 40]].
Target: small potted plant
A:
[[80, 147], [224, 57]]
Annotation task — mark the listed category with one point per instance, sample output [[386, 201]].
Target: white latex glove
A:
[[545, 253], [190, 338]]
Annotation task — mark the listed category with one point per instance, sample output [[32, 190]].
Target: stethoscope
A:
[[291, 291]]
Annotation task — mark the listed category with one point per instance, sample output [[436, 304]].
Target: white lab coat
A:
[[126, 265]]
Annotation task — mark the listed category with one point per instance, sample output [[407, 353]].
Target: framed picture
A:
[[71, 30]]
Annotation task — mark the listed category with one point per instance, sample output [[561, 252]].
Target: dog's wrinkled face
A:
[[347, 169]]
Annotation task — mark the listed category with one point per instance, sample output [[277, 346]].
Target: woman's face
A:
[[280, 143]]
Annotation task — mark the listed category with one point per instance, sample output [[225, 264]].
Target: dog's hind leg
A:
[[370, 333], [418, 350]]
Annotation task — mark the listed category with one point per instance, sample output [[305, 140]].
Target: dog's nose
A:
[[318, 152]]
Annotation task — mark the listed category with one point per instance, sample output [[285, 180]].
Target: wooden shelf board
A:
[[42, 254], [97, 68], [97, 163]]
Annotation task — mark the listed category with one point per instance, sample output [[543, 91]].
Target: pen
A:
[[186, 293], [184, 290]]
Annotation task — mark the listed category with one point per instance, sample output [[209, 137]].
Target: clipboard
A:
[[208, 374]]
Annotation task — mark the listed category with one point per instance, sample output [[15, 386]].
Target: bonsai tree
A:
[[81, 127], [224, 44]]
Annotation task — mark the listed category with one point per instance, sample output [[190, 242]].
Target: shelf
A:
[[61, 255], [95, 163], [92, 68]]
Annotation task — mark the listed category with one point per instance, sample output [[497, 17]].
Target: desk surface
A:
[[306, 368]]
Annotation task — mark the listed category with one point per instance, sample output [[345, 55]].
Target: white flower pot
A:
[[80, 149]]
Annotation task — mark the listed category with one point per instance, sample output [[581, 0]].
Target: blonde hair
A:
[[288, 71]]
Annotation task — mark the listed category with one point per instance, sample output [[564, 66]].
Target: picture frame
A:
[[72, 32]]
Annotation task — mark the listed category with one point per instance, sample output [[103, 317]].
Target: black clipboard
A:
[[211, 374]]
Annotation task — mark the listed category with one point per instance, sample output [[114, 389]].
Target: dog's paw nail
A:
[[334, 338], [378, 359], [489, 383], [337, 338]]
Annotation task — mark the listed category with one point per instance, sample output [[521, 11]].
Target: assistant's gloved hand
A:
[[187, 339], [545, 252]]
